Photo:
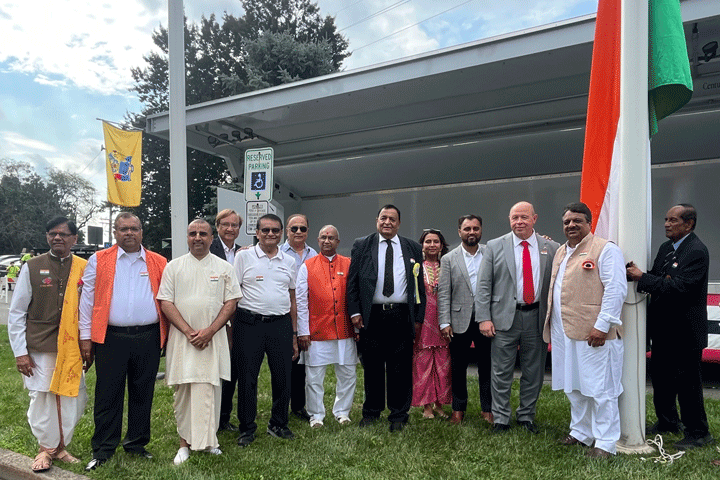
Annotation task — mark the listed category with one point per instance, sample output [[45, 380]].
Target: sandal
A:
[[64, 456], [42, 462]]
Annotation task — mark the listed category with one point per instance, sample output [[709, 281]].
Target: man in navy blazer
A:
[[677, 324], [227, 224], [386, 305]]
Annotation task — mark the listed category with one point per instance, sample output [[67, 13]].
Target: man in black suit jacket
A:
[[677, 324], [386, 305], [227, 224]]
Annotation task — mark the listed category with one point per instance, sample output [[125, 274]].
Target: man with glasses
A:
[[227, 224], [123, 329], [266, 324], [295, 247], [43, 308], [198, 294]]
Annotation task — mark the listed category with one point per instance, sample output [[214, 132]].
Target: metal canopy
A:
[[504, 107]]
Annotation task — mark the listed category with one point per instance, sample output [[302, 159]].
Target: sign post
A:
[[259, 185]]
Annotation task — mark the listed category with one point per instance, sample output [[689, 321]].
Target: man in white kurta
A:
[[587, 293], [198, 294], [324, 328]]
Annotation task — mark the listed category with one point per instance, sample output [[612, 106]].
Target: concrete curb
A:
[[14, 466]]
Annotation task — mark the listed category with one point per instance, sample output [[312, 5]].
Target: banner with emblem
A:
[[123, 160]]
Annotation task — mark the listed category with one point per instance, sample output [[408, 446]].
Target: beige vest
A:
[[582, 289]]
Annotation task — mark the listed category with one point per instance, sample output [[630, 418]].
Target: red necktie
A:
[[528, 287]]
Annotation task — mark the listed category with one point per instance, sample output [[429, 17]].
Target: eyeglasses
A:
[[268, 230], [295, 228], [55, 234], [230, 225]]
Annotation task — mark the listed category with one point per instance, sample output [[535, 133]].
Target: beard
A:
[[472, 241]]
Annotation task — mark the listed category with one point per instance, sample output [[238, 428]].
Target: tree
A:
[[28, 201], [274, 42]]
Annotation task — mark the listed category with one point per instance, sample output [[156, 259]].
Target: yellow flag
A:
[[123, 161]]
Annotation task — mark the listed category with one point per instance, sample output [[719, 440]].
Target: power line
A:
[[345, 8], [410, 26], [380, 12]]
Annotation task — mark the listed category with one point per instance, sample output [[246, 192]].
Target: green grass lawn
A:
[[426, 449]]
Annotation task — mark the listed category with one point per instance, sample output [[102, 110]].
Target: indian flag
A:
[[669, 88]]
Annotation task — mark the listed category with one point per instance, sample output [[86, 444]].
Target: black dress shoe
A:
[[140, 453], [530, 427], [500, 428], [302, 414], [694, 442], [246, 440], [95, 463], [227, 427], [367, 421], [397, 426]]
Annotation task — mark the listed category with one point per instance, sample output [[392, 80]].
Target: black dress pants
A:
[[228, 390], [252, 339], [676, 374], [129, 355], [387, 349], [460, 355]]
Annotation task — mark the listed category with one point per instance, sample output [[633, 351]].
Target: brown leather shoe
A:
[[488, 417], [598, 453], [570, 440], [457, 417]]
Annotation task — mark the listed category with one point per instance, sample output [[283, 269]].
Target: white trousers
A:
[[197, 411], [50, 428], [344, 390], [595, 419]]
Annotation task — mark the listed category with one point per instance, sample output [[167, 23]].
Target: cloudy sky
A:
[[67, 62]]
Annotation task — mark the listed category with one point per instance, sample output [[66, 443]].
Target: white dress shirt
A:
[[229, 252], [132, 302], [472, 263], [534, 260], [400, 293]]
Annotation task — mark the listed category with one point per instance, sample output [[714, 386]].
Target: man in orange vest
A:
[[325, 329], [122, 329]]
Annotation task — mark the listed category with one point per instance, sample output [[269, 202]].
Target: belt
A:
[[132, 328], [389, 306], [527, 306], [262, 318]]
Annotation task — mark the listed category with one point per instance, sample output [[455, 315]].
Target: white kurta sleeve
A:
[[301, 298], [87, 299], [611, 267], [17, 315]]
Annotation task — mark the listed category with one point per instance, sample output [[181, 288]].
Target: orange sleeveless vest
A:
[[327, 283]]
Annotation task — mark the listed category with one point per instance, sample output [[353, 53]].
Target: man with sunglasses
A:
[[266, 324], [227, 224], [295, 246]]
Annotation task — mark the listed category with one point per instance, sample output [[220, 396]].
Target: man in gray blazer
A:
[[510, 304], [456, 315]]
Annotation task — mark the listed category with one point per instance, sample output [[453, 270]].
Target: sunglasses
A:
[[268, 230], [295, 228]]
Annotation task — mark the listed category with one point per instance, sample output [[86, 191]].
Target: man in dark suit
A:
[[677, 324], [510, 304], [386, 302], [227, 224]]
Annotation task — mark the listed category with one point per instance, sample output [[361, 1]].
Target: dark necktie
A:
[[528, 284], [668, 260], [389, 278]]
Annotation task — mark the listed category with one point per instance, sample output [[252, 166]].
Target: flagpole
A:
[[178, 149], [634, 213]]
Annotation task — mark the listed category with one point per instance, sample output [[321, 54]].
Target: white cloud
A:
[[14, 143]]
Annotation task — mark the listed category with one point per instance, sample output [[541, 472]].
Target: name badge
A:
[[582, 254], [259, 278], [44, 272], [214, 278], [143, 274], [543, 251], [341, 273]]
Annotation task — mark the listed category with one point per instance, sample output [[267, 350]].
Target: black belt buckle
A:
[[389, 306], [267, 318], [527, 306]]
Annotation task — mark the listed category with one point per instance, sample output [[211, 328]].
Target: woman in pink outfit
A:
[[431, 355]]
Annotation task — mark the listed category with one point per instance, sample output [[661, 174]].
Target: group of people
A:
[[411, 311]]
